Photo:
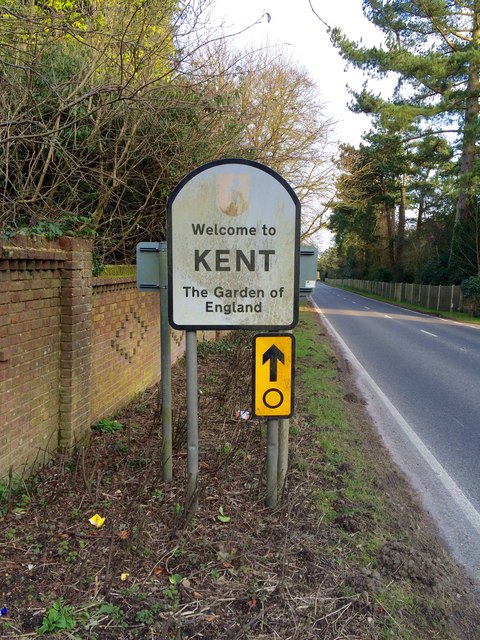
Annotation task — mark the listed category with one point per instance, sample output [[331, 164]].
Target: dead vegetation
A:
[[235, 569]]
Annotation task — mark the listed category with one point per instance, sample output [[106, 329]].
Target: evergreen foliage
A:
[[432, 47]]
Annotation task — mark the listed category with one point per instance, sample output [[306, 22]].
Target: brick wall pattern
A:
[[30, 318], [73, 349]]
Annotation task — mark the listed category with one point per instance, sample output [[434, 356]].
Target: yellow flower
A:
[[124, 576], [97, 521]]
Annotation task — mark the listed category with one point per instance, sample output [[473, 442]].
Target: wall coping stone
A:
[[35, 248], [100, 281]]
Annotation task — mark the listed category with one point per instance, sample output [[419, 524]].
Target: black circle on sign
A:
[[272, 406]]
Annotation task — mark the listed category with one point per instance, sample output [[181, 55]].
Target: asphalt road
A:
[[421, 377]]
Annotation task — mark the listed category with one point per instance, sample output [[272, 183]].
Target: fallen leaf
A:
[[97, 520], [222, 517], [124, 534], [210, 618]]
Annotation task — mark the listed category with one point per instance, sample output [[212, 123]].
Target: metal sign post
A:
[[166, 359], [283, 444], [192, 421], [152, 276], [272, 463]]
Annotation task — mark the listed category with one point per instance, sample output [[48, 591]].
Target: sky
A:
[[295, 26]]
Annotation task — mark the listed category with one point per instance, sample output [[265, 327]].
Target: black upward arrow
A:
[[273, 354]]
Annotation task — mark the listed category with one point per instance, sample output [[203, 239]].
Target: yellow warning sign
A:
[[273, 358]]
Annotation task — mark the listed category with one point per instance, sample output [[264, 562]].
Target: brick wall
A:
[[75, 341], [125, 343], [73, 349], [30, 320]]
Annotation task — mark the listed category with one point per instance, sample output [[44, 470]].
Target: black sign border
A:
[[225, 326], [273, 334]]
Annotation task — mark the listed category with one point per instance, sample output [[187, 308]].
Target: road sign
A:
[[233, 248], [308, 269], [148, 265], [273, 358]]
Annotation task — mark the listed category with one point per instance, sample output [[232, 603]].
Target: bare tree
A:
[[287, 130], [107, 105]]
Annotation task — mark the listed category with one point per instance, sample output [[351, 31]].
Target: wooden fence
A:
[[435, 297]]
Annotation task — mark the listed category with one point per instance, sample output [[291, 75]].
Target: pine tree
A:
[[433, 46]]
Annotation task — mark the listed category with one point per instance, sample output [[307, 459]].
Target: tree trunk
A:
[[470, 132], [420, 212], [390, 224], [401, 221]]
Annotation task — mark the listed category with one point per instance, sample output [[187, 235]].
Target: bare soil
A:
[[153, 570]]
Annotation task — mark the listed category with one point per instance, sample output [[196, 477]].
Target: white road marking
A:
[[429, 334], [464, 504]]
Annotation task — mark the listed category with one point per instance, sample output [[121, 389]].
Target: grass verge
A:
[[374, 519], [458, 316]]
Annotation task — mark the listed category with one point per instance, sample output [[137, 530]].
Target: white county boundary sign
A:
[[233, 248]]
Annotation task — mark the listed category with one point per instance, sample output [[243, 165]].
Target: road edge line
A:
[[471, 514]]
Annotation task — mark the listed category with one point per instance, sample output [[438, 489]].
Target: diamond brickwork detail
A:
[[129, 335]]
